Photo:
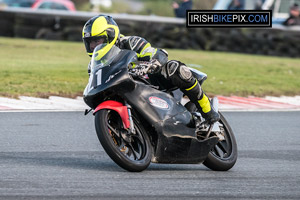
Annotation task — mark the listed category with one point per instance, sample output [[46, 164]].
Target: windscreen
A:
[[101, 59]]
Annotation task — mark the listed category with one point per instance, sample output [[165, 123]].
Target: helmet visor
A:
[[92, 42]]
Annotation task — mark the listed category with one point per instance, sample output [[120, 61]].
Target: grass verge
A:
[[42, 68]]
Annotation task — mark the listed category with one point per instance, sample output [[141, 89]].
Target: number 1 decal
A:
[[98, 74], [99, 77]]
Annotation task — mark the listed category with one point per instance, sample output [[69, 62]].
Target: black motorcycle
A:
[[138, 123]]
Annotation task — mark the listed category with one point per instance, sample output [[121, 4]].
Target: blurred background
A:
[[271, 66], [144, 7], [63, 20], [151, 7]]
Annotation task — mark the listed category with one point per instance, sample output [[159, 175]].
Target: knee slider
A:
[[179, 74], [185, 73], [175, 67], [171, 67]]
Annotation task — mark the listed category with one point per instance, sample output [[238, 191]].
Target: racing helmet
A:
[[104, 30]]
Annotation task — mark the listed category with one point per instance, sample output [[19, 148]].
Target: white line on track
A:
[[54, 103]]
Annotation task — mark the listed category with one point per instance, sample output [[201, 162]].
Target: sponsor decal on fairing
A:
[[159, 103]]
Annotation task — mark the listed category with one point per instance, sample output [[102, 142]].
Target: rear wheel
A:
[[132, 152], [223, 155]]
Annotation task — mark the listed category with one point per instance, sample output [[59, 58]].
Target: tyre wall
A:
[[162, 32]]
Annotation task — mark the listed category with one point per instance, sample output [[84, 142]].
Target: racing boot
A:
[[197, 96], [208, 112]]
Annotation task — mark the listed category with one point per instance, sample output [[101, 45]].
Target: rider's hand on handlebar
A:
[[144, 68], [155, 66], [139, 70]]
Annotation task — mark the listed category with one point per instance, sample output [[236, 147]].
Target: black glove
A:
[[144, 68], [140, 70], [155, 66]]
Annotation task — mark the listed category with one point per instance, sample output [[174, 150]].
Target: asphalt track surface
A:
[[56, 155]]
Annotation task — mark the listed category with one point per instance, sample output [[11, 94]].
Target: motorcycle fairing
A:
[[139, 98], [200, 76], [113, 77], [177, 141], [182, 150]]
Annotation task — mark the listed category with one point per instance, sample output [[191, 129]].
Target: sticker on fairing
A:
[[159, 103]]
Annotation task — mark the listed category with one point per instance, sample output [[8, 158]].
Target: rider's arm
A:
[[144, 50]]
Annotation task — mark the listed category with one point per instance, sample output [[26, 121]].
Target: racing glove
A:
[[144, 68]]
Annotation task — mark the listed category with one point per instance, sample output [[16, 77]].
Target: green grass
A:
[[244, 74], [43, 68]]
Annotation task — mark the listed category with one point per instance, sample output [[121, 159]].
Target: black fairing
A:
[[174, 139], [114, 78], [200, 76]]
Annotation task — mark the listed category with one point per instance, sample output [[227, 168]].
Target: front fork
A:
[[131, 128]]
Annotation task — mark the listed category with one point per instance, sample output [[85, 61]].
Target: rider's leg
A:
[[182, 77]]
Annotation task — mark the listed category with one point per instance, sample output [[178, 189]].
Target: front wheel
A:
[[223, 155], [132, 152]]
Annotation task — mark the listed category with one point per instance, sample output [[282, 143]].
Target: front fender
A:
[[118, 107]]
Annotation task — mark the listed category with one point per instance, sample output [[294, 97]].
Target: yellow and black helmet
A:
[[101, 27]]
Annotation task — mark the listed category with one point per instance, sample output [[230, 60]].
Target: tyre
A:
[[26, 31], [223, 155], [132, 152]]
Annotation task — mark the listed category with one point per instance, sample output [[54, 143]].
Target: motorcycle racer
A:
[[103, 30]]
